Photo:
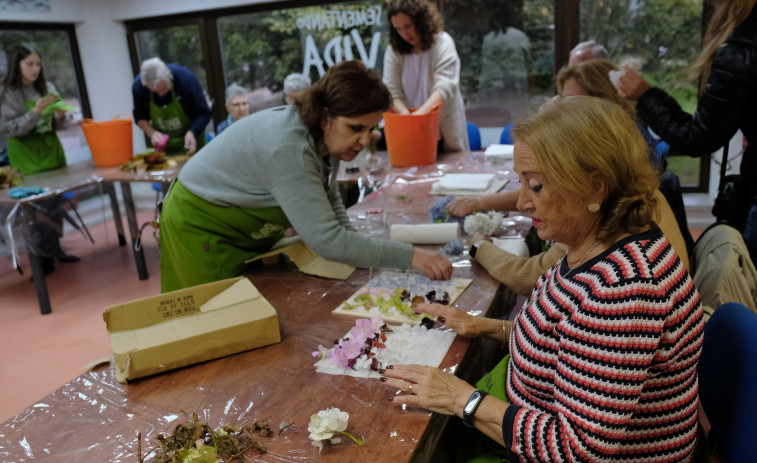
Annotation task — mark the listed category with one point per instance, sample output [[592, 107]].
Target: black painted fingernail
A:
[[440, 319], [382, 379], [389, 367], [381, 371]]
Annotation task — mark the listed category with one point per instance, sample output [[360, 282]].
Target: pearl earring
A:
[[593, 207]]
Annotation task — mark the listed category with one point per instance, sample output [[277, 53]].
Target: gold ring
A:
[[410, 389]]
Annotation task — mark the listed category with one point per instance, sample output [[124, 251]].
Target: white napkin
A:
[[499, 150], [514, 245], [466, 181]]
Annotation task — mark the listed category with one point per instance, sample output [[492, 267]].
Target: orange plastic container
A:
[[110, 142], [412, 140]]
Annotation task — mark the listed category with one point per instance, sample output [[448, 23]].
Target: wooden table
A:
[[95, 418]]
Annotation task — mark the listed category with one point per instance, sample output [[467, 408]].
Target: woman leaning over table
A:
[[29, 115], [422, 69], [277, 169], [603, 354]]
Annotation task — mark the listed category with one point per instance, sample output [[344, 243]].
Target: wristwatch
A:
[[474, 248], [470, 408]]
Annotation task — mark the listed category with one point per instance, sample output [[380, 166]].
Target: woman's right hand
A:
[[461, 206], [44, 102], [156, 138], [453, 318], [631, 85], [433, 264]]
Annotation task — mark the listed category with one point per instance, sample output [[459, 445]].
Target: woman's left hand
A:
[[428, 387], [190, 143], [631, 85]]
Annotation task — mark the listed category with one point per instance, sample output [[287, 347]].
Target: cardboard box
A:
[[188, 326]]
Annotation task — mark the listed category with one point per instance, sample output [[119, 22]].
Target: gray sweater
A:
[[269, 159], [15, 119]]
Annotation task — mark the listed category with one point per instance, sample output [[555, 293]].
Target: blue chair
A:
[[474, 137], [727, 379], [505, 138]]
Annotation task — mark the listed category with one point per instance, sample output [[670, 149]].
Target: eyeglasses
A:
[[239, 104]]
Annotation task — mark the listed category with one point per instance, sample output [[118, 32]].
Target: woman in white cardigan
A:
[[422, 69]]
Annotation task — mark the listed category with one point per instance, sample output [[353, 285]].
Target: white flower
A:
[[325, 423]]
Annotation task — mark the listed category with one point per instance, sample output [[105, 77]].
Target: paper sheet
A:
[[466, 181], [404, 345], [494, 186], [505, 151], [308, 261]]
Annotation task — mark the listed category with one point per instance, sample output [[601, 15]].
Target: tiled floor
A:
[[42, 352]]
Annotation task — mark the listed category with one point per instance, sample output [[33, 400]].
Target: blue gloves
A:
[[23, 192]]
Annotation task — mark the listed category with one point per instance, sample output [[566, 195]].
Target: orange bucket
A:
[[412, 140], [110, 142]]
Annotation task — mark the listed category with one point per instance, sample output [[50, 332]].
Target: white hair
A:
[[597, 51], [154, 70], [295, 83], [234, 90]]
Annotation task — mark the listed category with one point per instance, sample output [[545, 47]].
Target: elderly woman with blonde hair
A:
[[603, 354]]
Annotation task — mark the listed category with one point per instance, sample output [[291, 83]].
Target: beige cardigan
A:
[[444, 76], [521, 273]]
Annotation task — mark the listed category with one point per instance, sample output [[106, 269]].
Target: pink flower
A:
[[322, 351], [347, 352]]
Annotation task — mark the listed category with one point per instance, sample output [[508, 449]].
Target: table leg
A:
[[38, 272], [131, 219], [40, 285], [111, 191]]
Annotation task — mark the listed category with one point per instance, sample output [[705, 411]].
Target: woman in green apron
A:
[[276, 169], [30, 110], [168, 100], [602, 356]]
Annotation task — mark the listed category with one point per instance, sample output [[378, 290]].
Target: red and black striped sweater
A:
[[603, 359]]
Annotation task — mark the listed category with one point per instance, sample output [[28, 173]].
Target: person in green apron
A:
[[276, 169], [168, 100], [602, 356], [30, 111]]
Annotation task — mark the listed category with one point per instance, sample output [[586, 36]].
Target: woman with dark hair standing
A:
[[422, 69], [277, 169], [28, 117]]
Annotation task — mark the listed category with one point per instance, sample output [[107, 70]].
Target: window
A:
[[56, 45], [507, 56], [260, 49]]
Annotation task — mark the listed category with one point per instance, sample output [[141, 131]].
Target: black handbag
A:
[[732, 203]]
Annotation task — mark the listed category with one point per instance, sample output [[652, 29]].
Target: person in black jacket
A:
[[727, 67]]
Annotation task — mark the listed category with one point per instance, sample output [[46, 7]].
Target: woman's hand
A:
[[457, 320], [461, 206], [433, 264], [428, 387], [190, 143], [156, 138], [631, 86], [44, 102]]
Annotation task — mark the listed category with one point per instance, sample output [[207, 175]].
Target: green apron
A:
[[201, 242], [174, 122], [39, 149]]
